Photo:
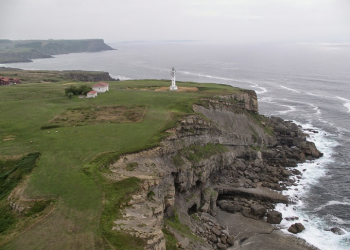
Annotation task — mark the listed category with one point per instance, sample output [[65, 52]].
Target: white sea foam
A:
[[346, 103], [312, 94], [289, 89], [290, 109], [332, 203], [206, 76], [122, 78], [262, 89], [314, 170], [337, 220], [267, 99]]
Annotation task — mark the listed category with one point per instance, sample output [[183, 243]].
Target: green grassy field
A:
[[74, 220]]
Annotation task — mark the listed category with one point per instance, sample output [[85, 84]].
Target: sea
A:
[[306, 83]]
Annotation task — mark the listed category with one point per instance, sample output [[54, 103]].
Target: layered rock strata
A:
[[226, 157]]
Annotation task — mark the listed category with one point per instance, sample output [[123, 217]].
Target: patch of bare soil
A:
[[179, 89], [95, 115], [9, 138]]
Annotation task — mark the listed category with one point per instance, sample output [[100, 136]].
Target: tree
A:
[[69, 94], [81, 90], [71, 89], [84, 89]]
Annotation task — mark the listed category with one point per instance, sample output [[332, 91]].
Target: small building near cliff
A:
[[91, 94], [101, 87], [4, 81]]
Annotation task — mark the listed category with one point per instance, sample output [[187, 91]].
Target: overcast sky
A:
[[209, 20]]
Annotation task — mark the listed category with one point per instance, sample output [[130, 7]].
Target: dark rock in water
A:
[[274, 217], [292, 218], [337, 230], [296, 228], [297, 172], [258, 210], [286, 172]]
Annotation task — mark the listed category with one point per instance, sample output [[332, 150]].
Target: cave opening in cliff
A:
[[192, 209]]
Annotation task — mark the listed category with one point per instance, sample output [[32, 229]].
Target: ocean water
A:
[[306, 83]]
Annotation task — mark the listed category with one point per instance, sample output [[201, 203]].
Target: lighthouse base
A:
[[172, 88]]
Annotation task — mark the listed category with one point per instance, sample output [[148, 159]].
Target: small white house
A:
[[101, 87], [91, 94]]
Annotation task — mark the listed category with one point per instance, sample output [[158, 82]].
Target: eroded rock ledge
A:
[[225, 158]]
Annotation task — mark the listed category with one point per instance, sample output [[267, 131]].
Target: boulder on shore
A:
[[274, 217], [337, 230], [296, 228], [258, 210]]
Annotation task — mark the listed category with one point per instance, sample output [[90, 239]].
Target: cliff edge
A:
[[215, 178]]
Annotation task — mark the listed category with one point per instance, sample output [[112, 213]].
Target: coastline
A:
[[253, 234], [17, 51], [246, 180], [317, 107], [289, 136], [312, 172], [258, 234]]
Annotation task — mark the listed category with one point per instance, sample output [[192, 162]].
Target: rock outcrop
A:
[[296, 228], [274, 217], [226, 157]]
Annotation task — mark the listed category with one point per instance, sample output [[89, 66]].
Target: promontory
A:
[[12, 51], [142, 167]]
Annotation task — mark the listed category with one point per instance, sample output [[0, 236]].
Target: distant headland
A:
[[12, 51]]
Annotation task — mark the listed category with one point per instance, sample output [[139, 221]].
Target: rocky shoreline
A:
[[215, 180]]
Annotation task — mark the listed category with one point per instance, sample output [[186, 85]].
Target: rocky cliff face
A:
[[87, 76], [227, 157]]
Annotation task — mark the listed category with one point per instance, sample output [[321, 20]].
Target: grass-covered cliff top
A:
[[132, 116], [45, 76]]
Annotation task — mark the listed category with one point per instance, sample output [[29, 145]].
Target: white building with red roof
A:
[[101, 87], [91, 94]]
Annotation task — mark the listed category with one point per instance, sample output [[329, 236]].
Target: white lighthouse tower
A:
[[173, 84]]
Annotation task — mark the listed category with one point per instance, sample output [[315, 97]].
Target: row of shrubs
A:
[[74, 90]]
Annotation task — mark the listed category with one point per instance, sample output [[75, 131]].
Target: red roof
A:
[[101, 84], [92, 92]]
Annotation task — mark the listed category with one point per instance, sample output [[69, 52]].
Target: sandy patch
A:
[[179, 89], [9, 138], [69, 83]]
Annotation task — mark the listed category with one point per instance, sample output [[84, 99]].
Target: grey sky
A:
[[212, 20]]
